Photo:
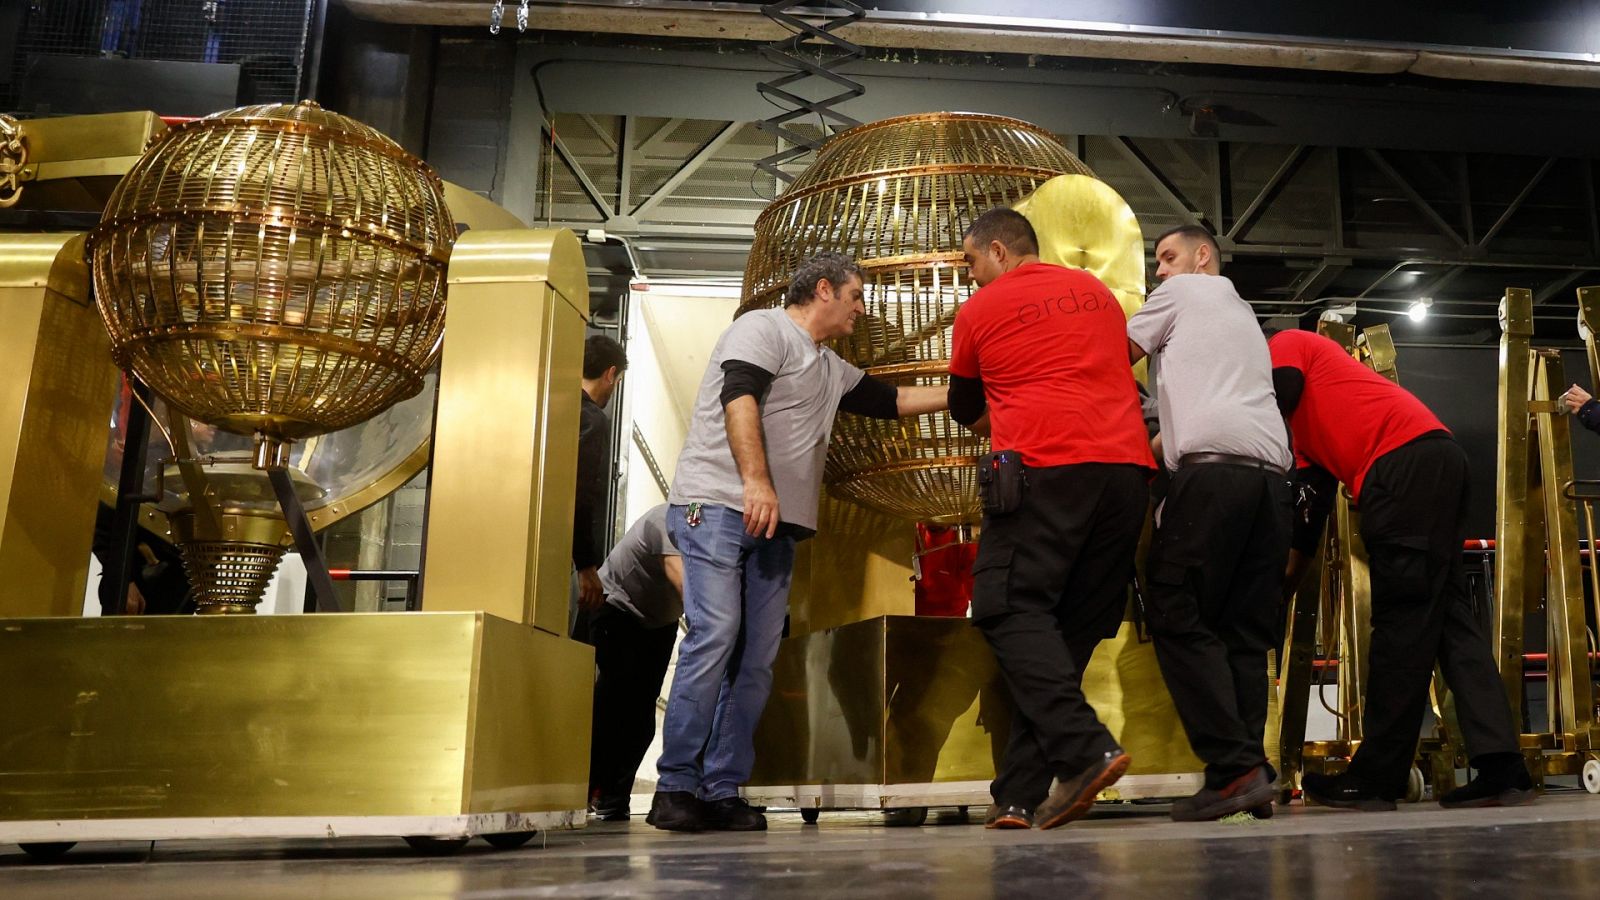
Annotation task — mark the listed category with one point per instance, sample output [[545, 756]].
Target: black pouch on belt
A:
[[1001, 482]]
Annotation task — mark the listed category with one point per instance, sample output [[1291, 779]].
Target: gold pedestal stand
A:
[[470, 719], [1535, 507]]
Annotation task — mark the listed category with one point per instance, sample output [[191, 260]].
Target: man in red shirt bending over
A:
[[1409, 477], [1044, 349]]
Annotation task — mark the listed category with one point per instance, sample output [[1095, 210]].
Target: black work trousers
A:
[[1413, 521], [630, 662], [1215, 578], [1050, 582]]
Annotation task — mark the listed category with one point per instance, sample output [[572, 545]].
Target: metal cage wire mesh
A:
[[275, 269], [229, 576], [898, 195]]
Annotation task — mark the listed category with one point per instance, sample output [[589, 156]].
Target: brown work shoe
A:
[[1247, 793], [1007, 817], [1072, 798]]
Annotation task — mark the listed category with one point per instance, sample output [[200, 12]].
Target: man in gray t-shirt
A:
[[633, 633], [1222, 532], [745, 490]]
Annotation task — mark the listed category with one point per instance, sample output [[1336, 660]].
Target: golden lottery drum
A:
[[275, 269], [898, 195]]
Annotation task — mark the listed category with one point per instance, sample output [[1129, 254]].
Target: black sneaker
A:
[[677, 811], [733, 814], [1343, 792], [1008, 817], [1500, 782], [1247, 793], [1072, 798]]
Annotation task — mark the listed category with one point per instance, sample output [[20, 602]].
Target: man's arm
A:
[[1289, 383], [879, 399], [1135, 352], [749, 448], [594, 461], [914, 400], [966, 400]]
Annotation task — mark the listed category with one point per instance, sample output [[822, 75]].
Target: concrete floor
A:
[[1548, 850]]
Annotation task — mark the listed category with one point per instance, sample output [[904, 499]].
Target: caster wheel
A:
[[1591, 777], [435, 846], [1414, 785], [508, 840], [909, 817], [810, 816], [48, 849]]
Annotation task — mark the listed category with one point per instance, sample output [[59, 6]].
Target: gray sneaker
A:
[[1247, 793], [1071, 799]]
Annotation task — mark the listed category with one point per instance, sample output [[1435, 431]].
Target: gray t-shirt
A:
[[634, 577], [796, 417], [1212, 372]]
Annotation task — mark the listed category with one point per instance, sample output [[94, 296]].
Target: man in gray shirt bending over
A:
[[632, 633], [1222, 533], [745, 491]]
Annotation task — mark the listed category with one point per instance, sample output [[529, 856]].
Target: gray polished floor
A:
[[1548, 850]]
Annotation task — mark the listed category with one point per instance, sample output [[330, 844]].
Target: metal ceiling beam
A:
[[689, 167], [1516, 203], [1312, 286], [1158, 180], [595, 196], [1267, 192], [1417, 200]]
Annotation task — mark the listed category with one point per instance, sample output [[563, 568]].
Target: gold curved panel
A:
[[1084, 223]]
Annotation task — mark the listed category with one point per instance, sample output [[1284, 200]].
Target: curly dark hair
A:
[[835, 267]]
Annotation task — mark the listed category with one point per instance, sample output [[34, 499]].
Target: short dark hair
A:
[[835, 267], [601, 353], [1193, 233], [1007, 226]]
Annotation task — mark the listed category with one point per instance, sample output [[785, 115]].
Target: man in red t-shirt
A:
[[1042, 350], [1409, 477]]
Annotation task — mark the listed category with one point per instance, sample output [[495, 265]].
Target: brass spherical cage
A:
[[275, 268], [898, 195]]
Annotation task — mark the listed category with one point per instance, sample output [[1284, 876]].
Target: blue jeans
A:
[[735, 597]]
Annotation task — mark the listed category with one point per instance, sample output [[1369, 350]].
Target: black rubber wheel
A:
[[435, 846], [508, 840], [810, 816], [47, 849], [907, 817]]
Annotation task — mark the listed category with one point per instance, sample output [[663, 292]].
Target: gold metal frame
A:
[[1536, 511]]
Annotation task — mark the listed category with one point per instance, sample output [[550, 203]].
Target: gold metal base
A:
[[901, 702], [339, 715]]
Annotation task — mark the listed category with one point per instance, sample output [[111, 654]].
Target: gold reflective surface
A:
[[505, 445], [417, 714], [1536, 511], [1084, 223], [919, 700], [57, 384]]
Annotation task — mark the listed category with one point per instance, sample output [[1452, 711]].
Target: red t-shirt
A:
[[1348, 415], [1051, 345]]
